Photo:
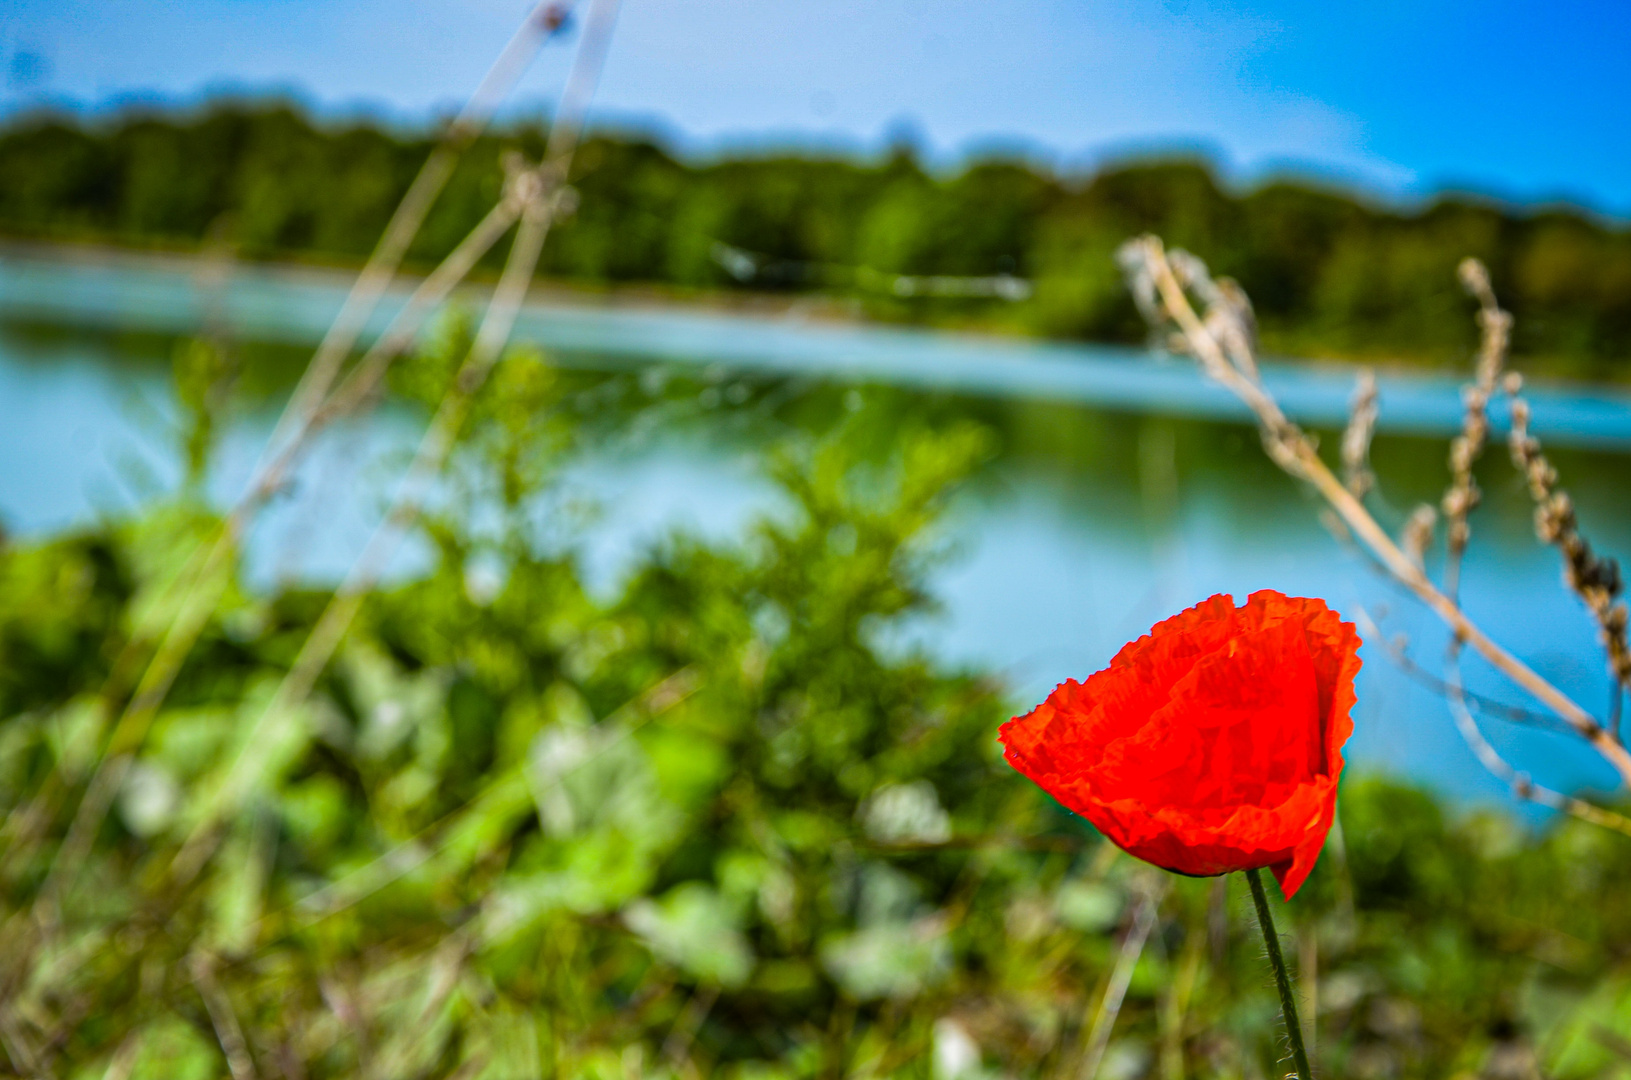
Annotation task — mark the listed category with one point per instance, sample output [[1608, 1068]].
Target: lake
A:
[[1126, 487]]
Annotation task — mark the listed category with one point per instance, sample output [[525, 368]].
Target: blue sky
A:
[[1525, 101]]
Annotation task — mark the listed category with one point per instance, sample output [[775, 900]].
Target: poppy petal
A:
[[1212, 743]]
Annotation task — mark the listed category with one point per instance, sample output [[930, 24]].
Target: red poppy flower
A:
[[1211, 744]]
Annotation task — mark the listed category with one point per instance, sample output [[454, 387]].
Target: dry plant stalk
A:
[[545, 19], [311, 406], [1108, 1007], [539, 192], [228, 1032], [1554, 523], [1521, 783], [535, 197], [1596, 580], [1466, 448], [1356, 439], [1417, 535], [202, 582], [1162, 286]]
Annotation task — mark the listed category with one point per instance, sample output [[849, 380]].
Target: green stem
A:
[[1282, 980]]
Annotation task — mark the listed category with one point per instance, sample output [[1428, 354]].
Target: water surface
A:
[[1126, 487]]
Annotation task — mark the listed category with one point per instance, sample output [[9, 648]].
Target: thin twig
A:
[[1522, 786], [1372, 632], [366, 377], [1356, 439], [124, 1059], [1121, 976], [677, 1046], [202, 588], [203, 580], [404, 225], [1520, 783], [228, 1032], [537, 191], [1466, 448], [1294, 452], [347, 601], [1596, 580], [1417, 535]]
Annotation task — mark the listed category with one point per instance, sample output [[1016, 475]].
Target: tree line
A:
[[1331, 274]]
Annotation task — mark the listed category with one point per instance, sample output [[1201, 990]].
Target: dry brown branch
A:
[[677, 1046], [337, 617], [1287, 445], [1417, 535], [365, 379], [1397, 652], [404, 225], [1596, 580], [1554, 522], [1463, 496], [228, 1032], [1121, 976], [1356, 439], [1521, 785], [123, 1062], [537, 191], [202, 581]]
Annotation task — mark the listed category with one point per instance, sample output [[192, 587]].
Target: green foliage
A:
[[1329, 274], [199, 373], [721, 823]]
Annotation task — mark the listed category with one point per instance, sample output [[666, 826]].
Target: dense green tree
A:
[[1330, 274]]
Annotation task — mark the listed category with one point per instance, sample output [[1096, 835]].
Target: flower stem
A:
[[1282, 980]]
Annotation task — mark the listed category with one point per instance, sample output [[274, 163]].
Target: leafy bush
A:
[[722, 823]]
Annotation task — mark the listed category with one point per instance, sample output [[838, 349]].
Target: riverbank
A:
[[172, 293], [1002, 324], [219, 264]]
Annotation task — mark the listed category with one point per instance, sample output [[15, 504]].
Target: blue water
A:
[[1058, 561], [275, 304]]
